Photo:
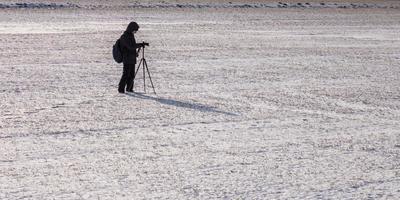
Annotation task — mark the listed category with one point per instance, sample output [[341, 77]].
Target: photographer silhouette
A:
[[129, 49]]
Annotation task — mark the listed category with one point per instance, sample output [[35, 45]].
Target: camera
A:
[[143, 44]]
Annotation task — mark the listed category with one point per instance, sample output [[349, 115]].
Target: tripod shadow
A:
[[182, 104]]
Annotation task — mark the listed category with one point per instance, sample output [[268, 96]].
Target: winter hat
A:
[[133, 26]]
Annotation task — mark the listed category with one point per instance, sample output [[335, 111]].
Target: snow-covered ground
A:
[[252, 103]]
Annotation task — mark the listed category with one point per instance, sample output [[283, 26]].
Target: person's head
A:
[[132, 27]]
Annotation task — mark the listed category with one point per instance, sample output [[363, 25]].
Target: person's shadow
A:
[[182, 104]]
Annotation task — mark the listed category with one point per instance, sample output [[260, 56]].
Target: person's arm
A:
[[128, 44]]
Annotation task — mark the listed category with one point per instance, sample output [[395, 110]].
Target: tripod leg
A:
[[134, 76], [133, 79], [144, 77], [148, 72]]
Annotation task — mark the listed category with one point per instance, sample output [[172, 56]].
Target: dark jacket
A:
[[128, 47]]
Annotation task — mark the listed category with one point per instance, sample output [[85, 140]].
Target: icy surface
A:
[[37, 5], [252, 103], [199, 5]]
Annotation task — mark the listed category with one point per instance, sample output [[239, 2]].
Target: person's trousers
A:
[[127, 78]]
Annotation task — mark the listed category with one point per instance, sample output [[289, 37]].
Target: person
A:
[[128, 48]]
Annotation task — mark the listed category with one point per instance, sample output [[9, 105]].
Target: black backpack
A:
[[117, 53]]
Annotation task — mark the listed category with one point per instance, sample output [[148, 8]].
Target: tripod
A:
[[143, 64]]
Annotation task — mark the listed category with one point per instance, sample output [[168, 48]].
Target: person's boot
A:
[[121, 89], [129, 88]]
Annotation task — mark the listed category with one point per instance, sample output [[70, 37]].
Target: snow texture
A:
[[251, 103], [38, 5], [203, 5]]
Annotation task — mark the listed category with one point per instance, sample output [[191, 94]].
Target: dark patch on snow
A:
[[182, 104], [38, 5]]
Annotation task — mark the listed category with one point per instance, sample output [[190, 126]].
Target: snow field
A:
[[251, 104]]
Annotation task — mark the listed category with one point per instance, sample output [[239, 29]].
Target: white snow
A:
[[252, 103]]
